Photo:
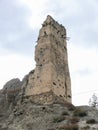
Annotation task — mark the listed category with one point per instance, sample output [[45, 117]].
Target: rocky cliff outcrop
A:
[[9, 94], [31, 116]]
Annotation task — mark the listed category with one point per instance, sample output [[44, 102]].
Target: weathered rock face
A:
[[51, 74], [9, 93], [30, 116]]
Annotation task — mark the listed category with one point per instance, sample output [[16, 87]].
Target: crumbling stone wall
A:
[[51, 72]]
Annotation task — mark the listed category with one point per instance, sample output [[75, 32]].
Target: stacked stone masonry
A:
[[51, 73]]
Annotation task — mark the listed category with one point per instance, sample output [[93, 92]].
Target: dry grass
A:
[[68, 127], [58, 119]]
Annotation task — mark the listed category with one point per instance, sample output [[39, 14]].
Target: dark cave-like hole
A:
[[69, 96], [60, 95], [54, 83]]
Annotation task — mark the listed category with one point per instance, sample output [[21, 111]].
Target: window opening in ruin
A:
[[65, 48], [43, 108], [69, 96], [54, 83], [45, 34], [60, 95], [58, 31], [41, 51], [37, 76]]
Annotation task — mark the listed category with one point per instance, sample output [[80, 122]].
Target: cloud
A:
[[83, 88], [14, 66], [15, 34], [37, 9], [82, 58], [21, 20], [80, 19], [84, 72]]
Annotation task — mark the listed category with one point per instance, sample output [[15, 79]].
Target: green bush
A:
[[69, 127], [79, 112], [86, 127], [74, 120], [58, 119], [91, 121], [65, 113]]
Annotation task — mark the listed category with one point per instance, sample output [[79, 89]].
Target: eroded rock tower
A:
[[51, 77]]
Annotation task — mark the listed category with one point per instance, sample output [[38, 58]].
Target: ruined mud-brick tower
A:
[[51, 76]]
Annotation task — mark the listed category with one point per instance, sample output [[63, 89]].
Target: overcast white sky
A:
[[20, 21]]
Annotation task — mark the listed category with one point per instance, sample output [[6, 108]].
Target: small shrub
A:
[[91, 121], [65, 113], [86, 127], [68, 127], [58, 119], [29, 126], [79, 112], [74, 120], [93, 102], [1, 115]]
